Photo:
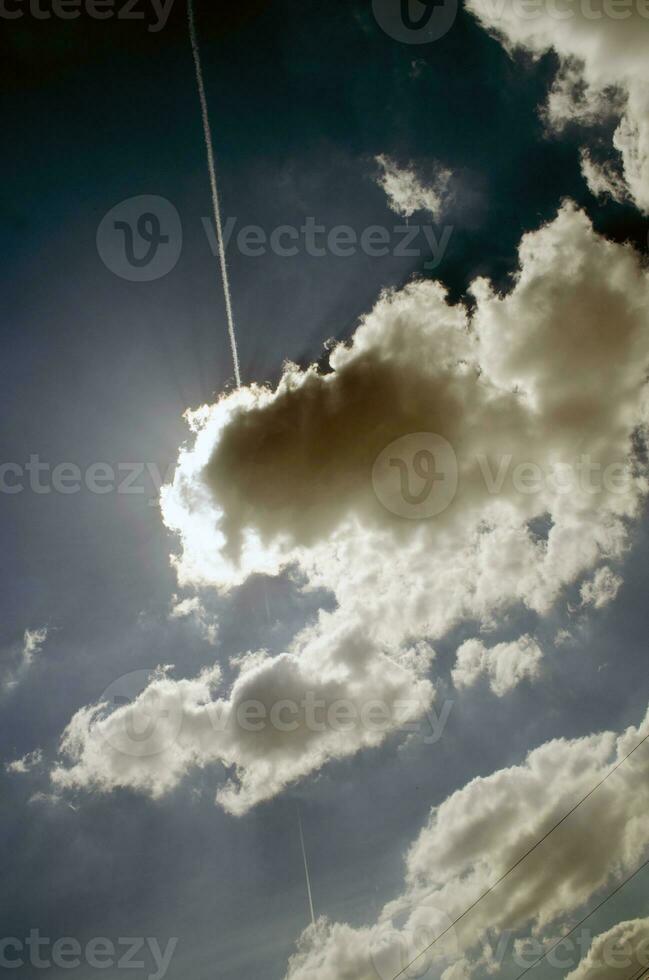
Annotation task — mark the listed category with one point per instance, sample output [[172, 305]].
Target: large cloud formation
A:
[[452, 463], [473, 838], [604, 73]]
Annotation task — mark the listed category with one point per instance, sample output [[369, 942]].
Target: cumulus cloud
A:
[[474, 837], [506, 664], [451, 464], [407, 192], [604, 69], [26, 763], [334, 693], [533, 428], [618, 952], [601, 589]]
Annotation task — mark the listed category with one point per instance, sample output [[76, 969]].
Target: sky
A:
[[505, 164]]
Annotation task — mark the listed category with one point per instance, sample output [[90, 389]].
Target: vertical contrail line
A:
[[306, 867], [216, 205]]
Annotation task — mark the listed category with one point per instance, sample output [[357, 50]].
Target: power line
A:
[[216, 204], [644, 970], [520, 860], [585, 919]]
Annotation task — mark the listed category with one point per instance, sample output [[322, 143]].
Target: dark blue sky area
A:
[[97, 368]]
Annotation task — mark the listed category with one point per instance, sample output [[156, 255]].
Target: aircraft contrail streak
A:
[[216, 205], [306, 868]]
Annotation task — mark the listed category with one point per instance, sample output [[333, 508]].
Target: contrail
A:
[[306, 867], [211, 166]]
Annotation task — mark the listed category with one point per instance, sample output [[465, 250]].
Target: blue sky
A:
[[100, 369]]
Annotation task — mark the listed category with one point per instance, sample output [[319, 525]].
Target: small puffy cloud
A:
[[601, 589], [621, 951], [602, 179], [409, 482], [563, 637], [32, 643], [474, 837], [26, 763], [192, 608], [505, 665], [604, 72], [407, 193], [20, 660], [45, 799]]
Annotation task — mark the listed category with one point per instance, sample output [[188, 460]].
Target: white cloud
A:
[[602, 179], [527, 415], [193, 609], [506, 664], [407, 193], [563, 637], [474, 837], [604, 69], [334, 693], [32, 644], [20, 661], [619, 951], [601, 589], [26, 763]]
